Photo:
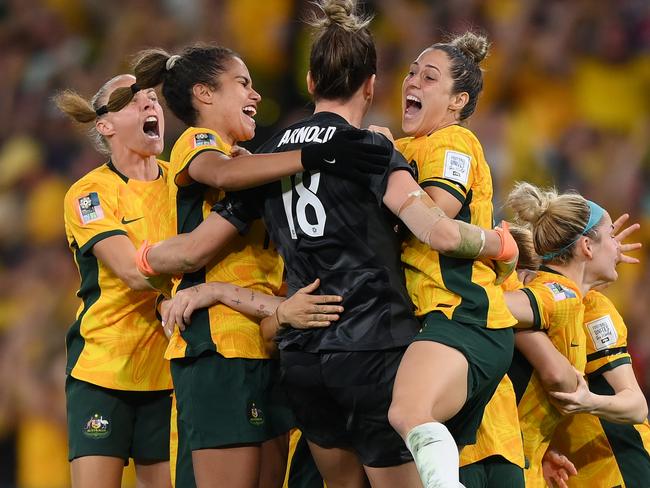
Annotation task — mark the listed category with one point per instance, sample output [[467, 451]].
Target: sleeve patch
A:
[[602, 332], [559, 292], [203, 139], [89, 208], [457, 166]]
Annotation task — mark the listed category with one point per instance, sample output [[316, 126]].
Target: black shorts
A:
[[341, 399]]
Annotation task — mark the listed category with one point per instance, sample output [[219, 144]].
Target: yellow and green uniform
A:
[[248, 261], [462, 289], [557, 308], [116, 341], [604, 453]]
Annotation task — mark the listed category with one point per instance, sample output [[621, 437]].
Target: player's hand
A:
[[580, 401], [621, 236], [305, 311], [557, 468], [347, 156], [163, 308], [181, 307], [506, 262], [383, 130]]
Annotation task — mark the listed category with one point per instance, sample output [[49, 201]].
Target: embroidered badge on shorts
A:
[[89, 208], [204, 139], [255, 415], [560, 292], [97, 427]]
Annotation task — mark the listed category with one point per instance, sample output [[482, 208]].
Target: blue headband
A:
[[596, 213]]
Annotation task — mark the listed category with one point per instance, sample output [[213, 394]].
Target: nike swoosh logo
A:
[[330, 162], [124, 221], [574, 345]]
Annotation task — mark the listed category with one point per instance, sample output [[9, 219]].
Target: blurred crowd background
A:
[[566, 103]]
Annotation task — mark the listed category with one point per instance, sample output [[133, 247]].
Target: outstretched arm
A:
[[345, 155]]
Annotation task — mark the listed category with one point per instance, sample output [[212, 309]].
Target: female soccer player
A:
[[118, 387], [452, 369], [575, 239], [219, 364], [339, 378]]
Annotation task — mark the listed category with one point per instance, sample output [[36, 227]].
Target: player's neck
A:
[[350, 110], [135, 166], [575, 271]]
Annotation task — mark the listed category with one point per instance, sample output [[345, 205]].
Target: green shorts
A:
[[488, 353], [492, 472], [116, 423], [229, 401]]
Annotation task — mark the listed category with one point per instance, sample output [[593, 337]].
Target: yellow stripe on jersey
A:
[[499, 433], [557, 302], [462, 289], [248, 261], [604, 453], [116, 341]]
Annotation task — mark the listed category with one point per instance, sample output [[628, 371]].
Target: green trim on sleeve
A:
[[610, 366], [99, 237], [606, 352], [537, 319], [445, 186]]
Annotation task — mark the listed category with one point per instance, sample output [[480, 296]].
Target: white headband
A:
[[171, 61]]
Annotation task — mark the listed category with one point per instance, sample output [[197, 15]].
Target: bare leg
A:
[[153, 475], [274, 461], [404, 476], [234, 467], [340, 468], [97, 472], [430, 388]]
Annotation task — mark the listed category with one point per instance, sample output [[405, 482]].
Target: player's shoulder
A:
[[101, 177]]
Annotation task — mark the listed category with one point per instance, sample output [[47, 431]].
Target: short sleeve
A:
[[240, 208], [450, 167], [89, 212], [189, 147], [606, 335]]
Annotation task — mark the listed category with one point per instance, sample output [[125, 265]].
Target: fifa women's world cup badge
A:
[[255, 415], [97, 427]]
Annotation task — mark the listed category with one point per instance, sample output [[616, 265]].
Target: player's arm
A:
[[301, 310], [555, 371], [118, 253], [431, 223], [188, 252], [627, 406], [344, 155], [519, 305]]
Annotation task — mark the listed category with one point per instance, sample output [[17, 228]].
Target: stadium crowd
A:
[[566, 103]]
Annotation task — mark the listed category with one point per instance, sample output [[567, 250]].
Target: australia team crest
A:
[[97, 427]]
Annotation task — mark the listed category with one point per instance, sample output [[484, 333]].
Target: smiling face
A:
[[233, 104], [427, 100], [139, 126]]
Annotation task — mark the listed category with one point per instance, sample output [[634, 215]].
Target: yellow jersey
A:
[[557, 307], [463, 289], [249, 261], [604, 453], [499, 433], [116, 341]]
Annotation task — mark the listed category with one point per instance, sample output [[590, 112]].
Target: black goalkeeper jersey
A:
[[336, 230]]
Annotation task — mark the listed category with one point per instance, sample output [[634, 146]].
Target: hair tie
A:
[[135, 88], [171, 61], [101, 110]]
